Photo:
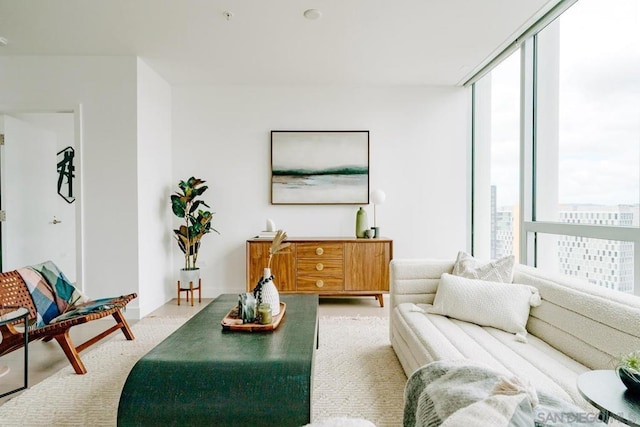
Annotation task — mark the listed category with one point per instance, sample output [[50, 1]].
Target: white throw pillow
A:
[[498, 270], [500, 305]]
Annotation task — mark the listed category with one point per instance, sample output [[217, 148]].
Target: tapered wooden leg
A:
[[380, 300], [178, 292], [124, 326], [199, 290], [69, 350]]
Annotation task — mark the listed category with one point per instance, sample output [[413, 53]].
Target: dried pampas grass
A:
[[278, 245]]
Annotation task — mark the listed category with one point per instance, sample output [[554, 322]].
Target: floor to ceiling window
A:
[[496, 153], [578, 166]]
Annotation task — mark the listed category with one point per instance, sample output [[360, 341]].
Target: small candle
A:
[[264, 312]]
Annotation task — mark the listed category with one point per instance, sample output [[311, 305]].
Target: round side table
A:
[[8, 315], [604, 390]]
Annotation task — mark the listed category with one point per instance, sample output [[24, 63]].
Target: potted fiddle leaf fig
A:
[[187, 206]]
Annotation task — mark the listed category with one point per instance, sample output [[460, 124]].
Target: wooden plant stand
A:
[[190, 290]]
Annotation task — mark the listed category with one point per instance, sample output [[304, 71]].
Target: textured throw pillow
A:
[[499, 270], [500, 305]]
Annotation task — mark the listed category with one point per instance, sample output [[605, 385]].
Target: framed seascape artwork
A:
[[319, 167]]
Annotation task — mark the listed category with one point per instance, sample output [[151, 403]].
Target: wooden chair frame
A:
[[14, 292]]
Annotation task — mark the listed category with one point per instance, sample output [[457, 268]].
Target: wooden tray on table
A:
[[231, 322]]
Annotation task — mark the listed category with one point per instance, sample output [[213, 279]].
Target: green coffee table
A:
[[202, 375]]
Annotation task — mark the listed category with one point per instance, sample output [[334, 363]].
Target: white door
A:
[[28, 185]]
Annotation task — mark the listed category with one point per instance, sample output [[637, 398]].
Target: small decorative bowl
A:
[[630, 379]]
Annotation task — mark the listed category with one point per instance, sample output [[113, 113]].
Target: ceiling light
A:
[[3, 41], [312, 14]]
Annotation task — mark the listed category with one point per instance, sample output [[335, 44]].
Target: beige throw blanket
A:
[[466, 393]]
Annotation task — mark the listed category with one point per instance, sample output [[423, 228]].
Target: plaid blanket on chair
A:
[[51, 291]]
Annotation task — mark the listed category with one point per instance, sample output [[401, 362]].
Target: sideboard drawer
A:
[[313, 267], [320, 284], [320, 250]]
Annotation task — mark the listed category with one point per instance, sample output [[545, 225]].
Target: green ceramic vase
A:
[[362, 224]]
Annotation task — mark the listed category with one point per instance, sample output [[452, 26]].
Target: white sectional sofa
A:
[[575, 328]]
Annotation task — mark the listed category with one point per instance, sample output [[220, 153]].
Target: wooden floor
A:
[[47, 358]]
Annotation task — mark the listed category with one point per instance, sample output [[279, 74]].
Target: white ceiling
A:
[[269, 42]]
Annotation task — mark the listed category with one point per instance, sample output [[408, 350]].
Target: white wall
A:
[[106, 88], [221, 134], [153, 189], [418, 156]]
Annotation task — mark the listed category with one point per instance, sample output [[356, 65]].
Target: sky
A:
[[599, 110]]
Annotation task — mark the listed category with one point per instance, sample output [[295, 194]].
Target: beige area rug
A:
[[356, 375]]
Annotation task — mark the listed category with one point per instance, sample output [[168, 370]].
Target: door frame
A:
[[76, 110]]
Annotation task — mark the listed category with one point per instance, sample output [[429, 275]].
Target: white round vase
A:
[[189, 275], [270, 292]]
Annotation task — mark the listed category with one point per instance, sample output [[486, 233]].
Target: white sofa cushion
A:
[[499, 270], [500, 305], [421, 338]]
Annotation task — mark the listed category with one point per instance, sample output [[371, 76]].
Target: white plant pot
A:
[[270, 293], [189, 275]]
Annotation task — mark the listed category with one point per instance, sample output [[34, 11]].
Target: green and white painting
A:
[[319, 167]]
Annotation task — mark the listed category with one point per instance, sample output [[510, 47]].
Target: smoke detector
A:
[[312, 14]]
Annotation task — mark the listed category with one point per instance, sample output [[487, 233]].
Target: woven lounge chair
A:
[[14, 292]]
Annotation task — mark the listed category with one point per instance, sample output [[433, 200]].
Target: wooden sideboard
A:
[[324, 266]]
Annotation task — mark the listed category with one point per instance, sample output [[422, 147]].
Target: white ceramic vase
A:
[[189, 275], [270, 292]]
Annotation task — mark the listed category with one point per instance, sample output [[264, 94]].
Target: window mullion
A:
[[527, 171]]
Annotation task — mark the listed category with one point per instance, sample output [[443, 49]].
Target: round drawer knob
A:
[[319, 266], [319, 283], [319, 251]]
